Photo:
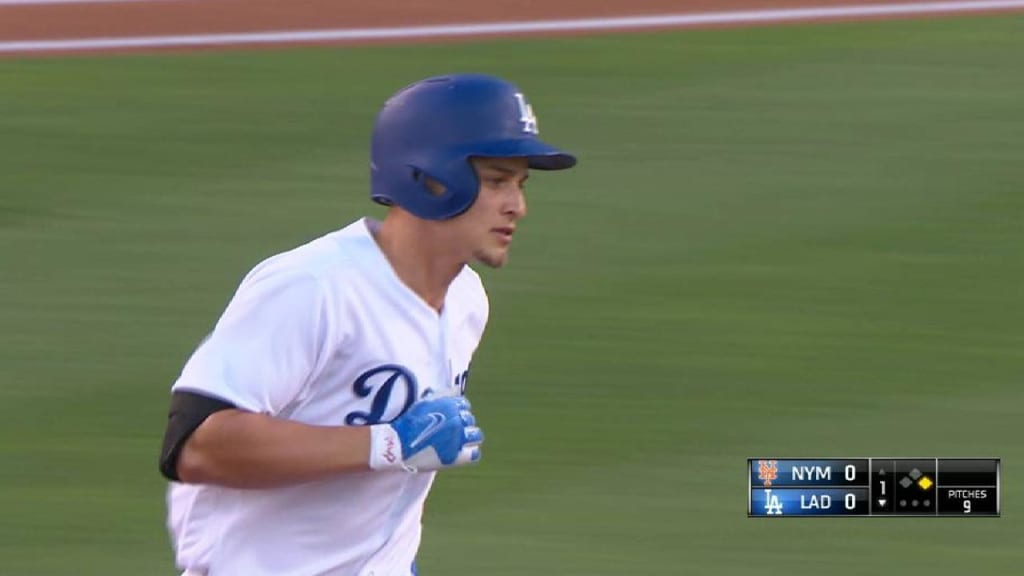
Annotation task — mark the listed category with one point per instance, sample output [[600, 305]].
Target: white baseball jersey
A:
[[324, 334]]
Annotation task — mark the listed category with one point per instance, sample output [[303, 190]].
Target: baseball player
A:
[[305, 431]]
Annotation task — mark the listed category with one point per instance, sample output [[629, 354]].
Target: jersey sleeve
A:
[[266, 346]]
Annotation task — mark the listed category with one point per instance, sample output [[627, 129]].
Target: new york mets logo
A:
[[767, 471], [383, 382]]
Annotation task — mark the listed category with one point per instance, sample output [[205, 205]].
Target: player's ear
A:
[[435, 187]]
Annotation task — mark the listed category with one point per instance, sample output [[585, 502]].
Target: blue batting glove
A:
[[433, 434]]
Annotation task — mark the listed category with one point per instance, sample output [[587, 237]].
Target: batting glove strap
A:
[[385, 448]]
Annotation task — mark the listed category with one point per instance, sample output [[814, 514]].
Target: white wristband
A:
[[385, 448]]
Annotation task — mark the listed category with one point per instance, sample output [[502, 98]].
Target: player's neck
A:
[[419, 264]]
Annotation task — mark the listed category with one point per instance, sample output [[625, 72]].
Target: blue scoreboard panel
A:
[[910, 487]]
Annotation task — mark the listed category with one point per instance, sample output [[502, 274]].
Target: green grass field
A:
[[796, 241]]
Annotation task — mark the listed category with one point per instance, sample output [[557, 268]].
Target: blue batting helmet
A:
[[430, 130]]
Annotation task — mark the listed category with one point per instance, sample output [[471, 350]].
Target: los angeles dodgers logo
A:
[[526, 115], [772, 503], [382, 382]]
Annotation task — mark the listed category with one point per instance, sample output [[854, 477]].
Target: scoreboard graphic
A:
[[904, 487]]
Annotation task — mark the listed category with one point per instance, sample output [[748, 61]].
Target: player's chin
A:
[[493, 257]]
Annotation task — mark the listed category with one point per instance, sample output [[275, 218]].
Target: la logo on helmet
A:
[[526, 115]]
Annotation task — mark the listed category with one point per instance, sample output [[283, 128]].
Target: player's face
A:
[[488, 226]]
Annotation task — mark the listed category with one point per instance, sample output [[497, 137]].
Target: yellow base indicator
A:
[[925, 483]]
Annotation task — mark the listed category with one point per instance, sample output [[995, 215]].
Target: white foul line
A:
[[509, 28]]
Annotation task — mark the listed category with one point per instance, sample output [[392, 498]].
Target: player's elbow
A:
[[201, 461], [193, 467], [188, 453]]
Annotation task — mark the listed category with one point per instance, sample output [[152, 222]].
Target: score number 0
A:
[[850, 473]]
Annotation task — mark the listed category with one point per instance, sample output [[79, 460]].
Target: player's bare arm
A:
[[241, 449]]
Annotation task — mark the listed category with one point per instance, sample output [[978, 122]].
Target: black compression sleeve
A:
[[188, 411]]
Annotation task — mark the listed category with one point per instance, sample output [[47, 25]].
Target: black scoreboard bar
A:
[[907, 487]]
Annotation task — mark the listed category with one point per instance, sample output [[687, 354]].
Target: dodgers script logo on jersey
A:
[[390, 385]]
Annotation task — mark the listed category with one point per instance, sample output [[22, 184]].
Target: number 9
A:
[[967, 506]]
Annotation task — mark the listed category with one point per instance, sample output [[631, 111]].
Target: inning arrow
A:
[[881, 502]]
